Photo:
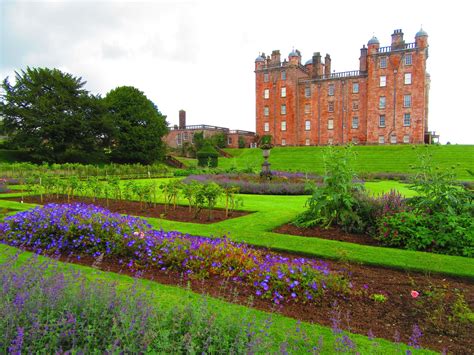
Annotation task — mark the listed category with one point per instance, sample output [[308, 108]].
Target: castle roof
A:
[[293, 53], [259, 59], [309, 61], [421, 33], [373, 40]]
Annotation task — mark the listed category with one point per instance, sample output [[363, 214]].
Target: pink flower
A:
[[414, 294]]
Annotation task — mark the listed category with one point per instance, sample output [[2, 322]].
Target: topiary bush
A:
[[207, 156]]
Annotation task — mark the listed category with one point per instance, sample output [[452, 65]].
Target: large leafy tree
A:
[[138, 126], [48, 113]]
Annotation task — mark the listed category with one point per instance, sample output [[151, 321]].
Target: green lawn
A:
[[272, 211], [168, 297], [370, 159]]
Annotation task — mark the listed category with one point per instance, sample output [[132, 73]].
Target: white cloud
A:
[[199, 55]]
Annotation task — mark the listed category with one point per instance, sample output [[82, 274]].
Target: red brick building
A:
[[178, 135], [384, 102]]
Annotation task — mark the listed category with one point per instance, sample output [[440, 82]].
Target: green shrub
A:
[[335, 202], [439, 232], [207, 156]]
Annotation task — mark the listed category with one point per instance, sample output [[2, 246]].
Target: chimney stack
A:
[[397, 40], [316, 65], [182, 119], [363, 59], [327, 66]]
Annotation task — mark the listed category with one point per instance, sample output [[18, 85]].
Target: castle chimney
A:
[[316, 65], [363, 59], [182, 119], [327, 65], [397, 40], [276, 57]]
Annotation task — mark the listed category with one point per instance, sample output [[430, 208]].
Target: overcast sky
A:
[[199, 55]]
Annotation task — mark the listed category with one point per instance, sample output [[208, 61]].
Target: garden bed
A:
[[332, 233], [134, 208], [393, 320]]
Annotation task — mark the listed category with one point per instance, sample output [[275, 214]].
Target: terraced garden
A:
[[323, 296]]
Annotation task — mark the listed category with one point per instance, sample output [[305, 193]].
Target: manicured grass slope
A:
[[370, 159], [168, 297]]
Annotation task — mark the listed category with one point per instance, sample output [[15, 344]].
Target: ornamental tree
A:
[[137, 127]]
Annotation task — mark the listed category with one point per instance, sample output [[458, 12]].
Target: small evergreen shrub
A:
[[207, 156]]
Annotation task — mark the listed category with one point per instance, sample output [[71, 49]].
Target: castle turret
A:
[[421, 39], [373, 45], [397, 40], [363, 59], [294, 57], [260, 61]]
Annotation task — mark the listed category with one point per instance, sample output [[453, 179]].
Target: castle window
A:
[[283, 92], [283, 142], [408, 59], [407, 78], [382, 121], [330, 141], [266, 77], [355, 88], [179, 140], [406, 138], [307, 108], [355, 122], [331, 90], [406, 100], [185, 136], [266, 111], [307, 91], [307, 142], [330, 123], [381, 140], [331, 106], [406, 119], [393, 139], [382, 102], [383, 81], [266, 127], [383, 62], [266, 93], [283, 75], [229, 140], [355, 105], [283, 125], [307, 125], [283, 109]]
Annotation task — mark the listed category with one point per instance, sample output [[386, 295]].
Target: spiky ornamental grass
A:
[[80, 229]]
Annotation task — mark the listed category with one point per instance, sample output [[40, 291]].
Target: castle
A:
[[384, 102]]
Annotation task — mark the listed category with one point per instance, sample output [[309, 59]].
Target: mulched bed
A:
[[181, 213], [356, 313], [332, 233]]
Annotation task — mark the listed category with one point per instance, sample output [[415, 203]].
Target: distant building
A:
[[384, 102], [178, 135]]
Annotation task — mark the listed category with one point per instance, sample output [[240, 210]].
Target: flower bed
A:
[[79, 229], [282, 183]]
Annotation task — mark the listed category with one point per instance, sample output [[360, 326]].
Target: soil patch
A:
[[180, 213], [359, 313], [332, 233]]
